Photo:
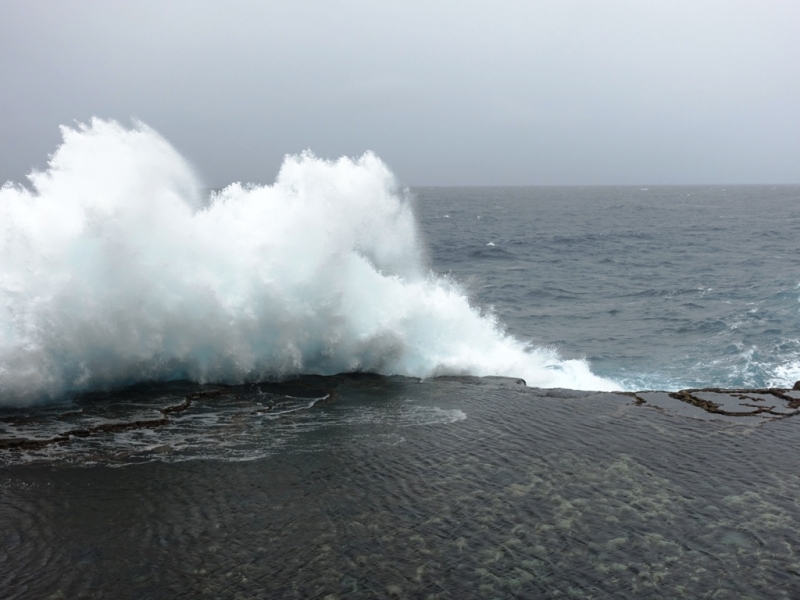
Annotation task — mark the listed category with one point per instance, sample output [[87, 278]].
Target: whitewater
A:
[[117, 266]]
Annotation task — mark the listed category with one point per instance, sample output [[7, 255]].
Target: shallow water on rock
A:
[[365, 487]]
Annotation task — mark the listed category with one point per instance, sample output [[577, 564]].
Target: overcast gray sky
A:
[[462, 93]]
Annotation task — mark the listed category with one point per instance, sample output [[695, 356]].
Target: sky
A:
[[567, 92]]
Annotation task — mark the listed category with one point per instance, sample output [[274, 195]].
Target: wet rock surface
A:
[[361, 487], [747, 405], [144, 407], [150, 407]]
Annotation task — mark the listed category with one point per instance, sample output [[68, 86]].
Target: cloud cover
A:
[[572, 92]]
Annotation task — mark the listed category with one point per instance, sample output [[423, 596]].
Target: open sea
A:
[[661, 287], [335, 387]]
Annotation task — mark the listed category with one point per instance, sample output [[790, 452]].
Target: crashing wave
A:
[[116, 266]]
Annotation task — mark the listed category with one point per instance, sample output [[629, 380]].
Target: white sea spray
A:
[[116, 267]]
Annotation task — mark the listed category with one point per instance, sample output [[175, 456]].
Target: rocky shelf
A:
[[760, 404]]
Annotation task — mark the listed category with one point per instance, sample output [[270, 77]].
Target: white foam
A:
[[116, 267], [785, 375]]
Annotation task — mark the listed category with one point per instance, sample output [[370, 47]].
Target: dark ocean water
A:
[[368, 486], [658, 287]]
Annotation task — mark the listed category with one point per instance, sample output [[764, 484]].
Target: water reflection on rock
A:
[[370, 487]]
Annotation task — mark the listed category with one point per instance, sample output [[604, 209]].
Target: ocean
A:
[[337, 387], [660, 287]]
